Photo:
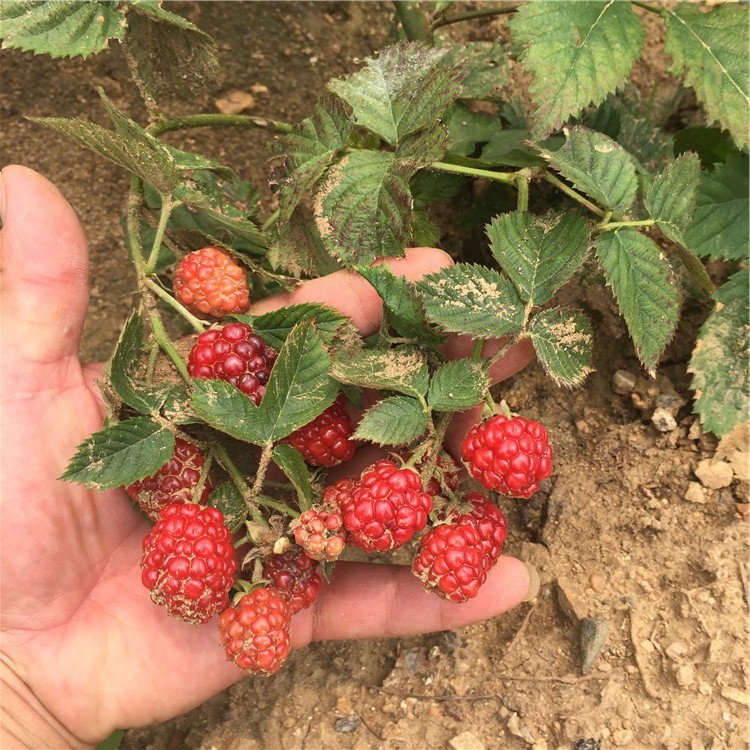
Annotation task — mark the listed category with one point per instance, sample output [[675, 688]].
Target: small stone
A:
[[259, 89], [623, 382], [695, 493], [598, 582], [696, 744], [736, 695], [647, 646], [593, 636], [676, 651], [466, 741], [343, 705], [583, 426], [234, 102], [540, 745], [685, 675], [622, 737], [714, 474], [519, 730], [663, 420], [348, 724], [569, 596]]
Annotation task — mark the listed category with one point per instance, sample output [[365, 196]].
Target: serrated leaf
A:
[[363, 207], [401, 306], [393, 421], [290, 461], [121, 454], [486, 65], [563, 340], [228, 409], [720, 228], [597, 166], [720, 365], [509, 148], [64, 28], [403, 369], [274, 327], [466, 129], [472, 299], [578, 53], [735, 286], [458, 385], [712, 49], [424, 232], [671, 196], [539, 254], [298, 249], [228, 499], [406, 88], [645, 289]]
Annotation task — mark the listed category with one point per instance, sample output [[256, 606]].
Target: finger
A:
[[366, 600], [44, 278], [352, 294]]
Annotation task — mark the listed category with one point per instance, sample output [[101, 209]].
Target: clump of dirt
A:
[[638, 637]]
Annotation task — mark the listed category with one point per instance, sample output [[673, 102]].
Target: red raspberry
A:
[[450, 561], [175, 482], [235, 354], [508, 454], [489, 522], [325, 441], [188, 561], [387, 506], [296, 577], [320, 532], [255, 631], [339, 494], [209, 282]]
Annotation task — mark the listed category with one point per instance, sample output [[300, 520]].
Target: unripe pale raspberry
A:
[[326, 441], [510, 455], [255, 631], [175, 482], [209, 282], [320, 532], [188, 562], [387, 506], [236, 354], [295, 575]]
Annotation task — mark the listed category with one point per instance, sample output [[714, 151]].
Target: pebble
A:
[[695, 493], [736, 695], [570, 599], [622, 737], [685, 675], [234, 102], [466, 741], [343, 705], [519, 730], [593, 636], [714, 474], [675, 651], [663, 420], [348, 724], [259, 89], [598, 582], [623, 382]]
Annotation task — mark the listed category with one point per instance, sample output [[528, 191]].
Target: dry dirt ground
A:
[[636, 552]]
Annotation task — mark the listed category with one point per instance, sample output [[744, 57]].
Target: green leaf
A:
[[578, 53], [363, 207], [720, 365], [228, 409], [458, 385], [466, 129], [645, 289], [735, 286], [64, 28], [402, 369], [120, 454], [405, 89], [486, 65], [538, 254], [401, 306], [712, 145], [562, 340], [671, 196], [274, 327], [290, 461], [711, 48], [393, 421], [298, 249], [228, 499], [509, 148], [310, 149], [720, 227], [472, 299], [597, 166]]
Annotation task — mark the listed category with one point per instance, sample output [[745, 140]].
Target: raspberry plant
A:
[[582, 184]]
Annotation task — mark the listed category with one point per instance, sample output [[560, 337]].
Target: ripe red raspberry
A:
[[320, 532], [255, 631], [175, 482], [326, 440], [450, 561], [338, 494], [236, 354], [296, 577], [209, 282], [508, 454], [387, 506], [489, 522], [188, 561]]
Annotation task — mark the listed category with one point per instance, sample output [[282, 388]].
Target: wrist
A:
[[24, 721]]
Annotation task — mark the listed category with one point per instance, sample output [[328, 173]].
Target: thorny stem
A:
[[239, 481], [413, 21], [212, 120], [196, 323], [260, 474], [152, 357], [166, 211], [168, 347], [609, 226], [135, 198], [472, 14], [560, 185], [509, 178]]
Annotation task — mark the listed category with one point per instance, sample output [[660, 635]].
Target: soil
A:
[[636, 553]]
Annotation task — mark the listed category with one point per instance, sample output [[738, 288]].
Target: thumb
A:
[[43, 276]]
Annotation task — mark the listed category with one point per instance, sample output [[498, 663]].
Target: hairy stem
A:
[[472, 14], [609, 226], [213, 120], [239, 481], [197, 324], [135, 199], [509, 178], [166, 211], [413, 21], [168, 347], [576, 196]]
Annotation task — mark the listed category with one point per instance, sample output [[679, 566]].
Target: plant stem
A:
[[413, 21], [522, 183], [509, 178], [576, 196], [239, 481], [260, 474], [269, 502], [472, 14], [152, 357], [166, 211], [196, 323], [213, 120], [135, 198], [476, 352], [168, 347], [608, 227], [270, 221], [649, 8]]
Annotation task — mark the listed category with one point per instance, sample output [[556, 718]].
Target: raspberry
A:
[[296, 577], [508, 454], [320, 532], [339, 494], [450, 561], [325, 441], [188, 561], [175, 482], [489, 523], [209, 282], [235, 354], [255, 631], [386, 507]]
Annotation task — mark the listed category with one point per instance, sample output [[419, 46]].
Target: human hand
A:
[[84, 650]]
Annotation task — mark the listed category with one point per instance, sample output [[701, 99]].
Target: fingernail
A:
[[535, 583]]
